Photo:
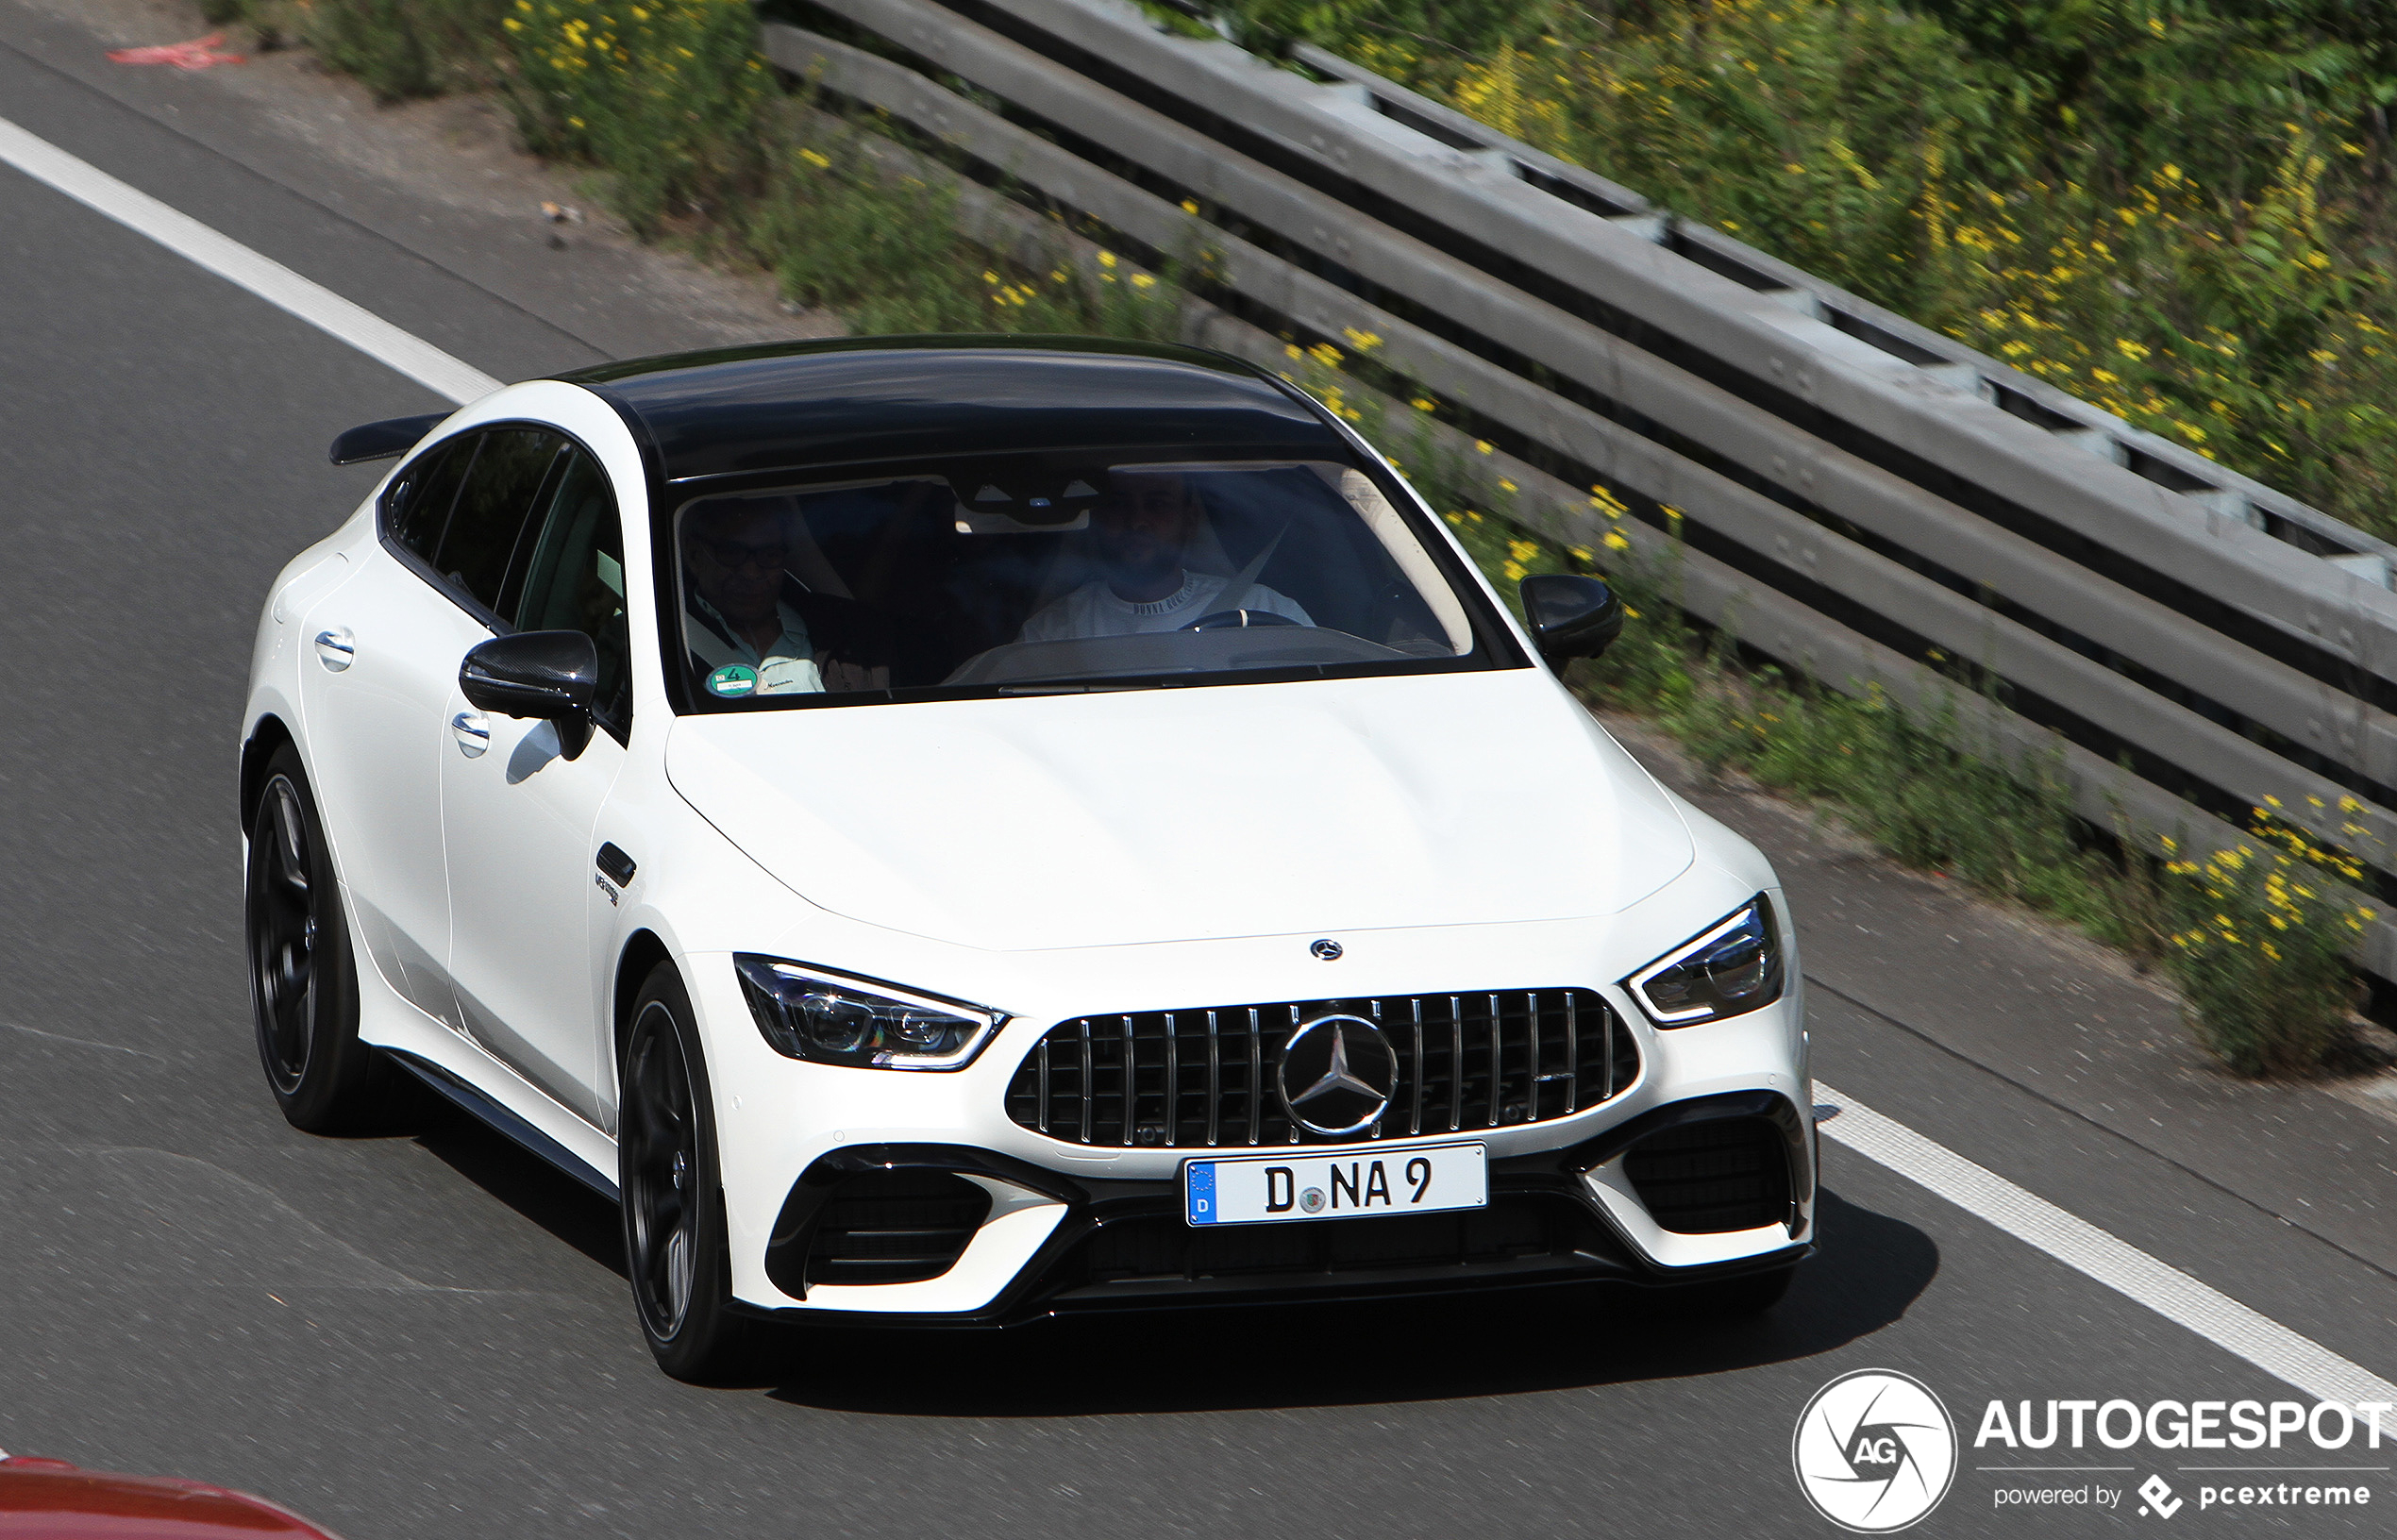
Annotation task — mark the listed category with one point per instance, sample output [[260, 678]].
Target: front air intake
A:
[[894, 1227], [1704, 1179]]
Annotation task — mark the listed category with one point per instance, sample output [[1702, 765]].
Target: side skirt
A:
[[504, 1122]]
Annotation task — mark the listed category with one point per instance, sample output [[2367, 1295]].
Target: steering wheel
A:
[[1233, 620]]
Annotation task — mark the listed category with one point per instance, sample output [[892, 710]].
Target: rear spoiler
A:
[[386, 439]]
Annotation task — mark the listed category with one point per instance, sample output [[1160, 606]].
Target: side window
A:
[[575, 581], [493, 506], [416, 507]]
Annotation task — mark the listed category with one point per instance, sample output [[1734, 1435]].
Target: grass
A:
[[697, 142], [2177, 209]]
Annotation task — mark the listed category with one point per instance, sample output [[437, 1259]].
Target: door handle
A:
[[473, 731], [336, 648]]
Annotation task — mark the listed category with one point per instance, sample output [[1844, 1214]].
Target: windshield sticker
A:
[[733, 680]]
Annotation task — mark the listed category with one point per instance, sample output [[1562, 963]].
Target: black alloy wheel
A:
[[674, 1233], [303, 979], [283, 935]]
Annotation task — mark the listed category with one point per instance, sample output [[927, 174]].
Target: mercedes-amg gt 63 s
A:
[[950, 831]]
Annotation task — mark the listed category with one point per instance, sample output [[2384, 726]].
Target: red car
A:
[[53, 1501]]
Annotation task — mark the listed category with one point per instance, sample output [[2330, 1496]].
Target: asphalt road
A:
[[427, 1335]]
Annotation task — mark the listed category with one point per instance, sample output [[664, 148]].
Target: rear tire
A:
[[675, 1243], [303, 973]]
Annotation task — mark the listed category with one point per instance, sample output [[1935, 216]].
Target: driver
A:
[[754, 629], [1140, 528]]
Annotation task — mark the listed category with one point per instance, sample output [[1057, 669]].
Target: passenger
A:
[[1140, 529], [755, 629]]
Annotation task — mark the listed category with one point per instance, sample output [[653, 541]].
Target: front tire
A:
[[303, 975], [675, 1243]]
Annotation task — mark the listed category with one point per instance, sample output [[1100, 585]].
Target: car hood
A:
[[1191, 813]]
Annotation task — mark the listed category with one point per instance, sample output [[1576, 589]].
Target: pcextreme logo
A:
[[1874, 1450]]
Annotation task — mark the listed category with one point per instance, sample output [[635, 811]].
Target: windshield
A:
[[1044, 573]]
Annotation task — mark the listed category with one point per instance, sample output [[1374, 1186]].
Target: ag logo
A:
[[1874, 1450]]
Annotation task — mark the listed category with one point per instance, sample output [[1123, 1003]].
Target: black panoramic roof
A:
[[810, 405]]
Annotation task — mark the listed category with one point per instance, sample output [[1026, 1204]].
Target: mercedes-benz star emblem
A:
[[1337, 1075], [1328, 950]]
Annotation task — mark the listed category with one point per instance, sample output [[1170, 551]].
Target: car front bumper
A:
[[1089, 1245]]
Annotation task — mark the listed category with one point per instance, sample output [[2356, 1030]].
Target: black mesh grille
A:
[[894, 1227], [1163, 1247], [1706, 1178], [1205, 1078]]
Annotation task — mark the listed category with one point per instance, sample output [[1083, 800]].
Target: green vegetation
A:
[[695, 141], [396, 48], [2255, 947], [2177, 209]]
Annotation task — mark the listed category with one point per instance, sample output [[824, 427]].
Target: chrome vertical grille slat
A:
[[1256, 1075], [1296, 1020], [1090, 1083], [1497, 1060], [1120, 1079], [1215, 1079], [1414, 1118], [1131, 1087], [1373, 1013], [1572, 1056], [1532, 1060], [1456, 1066], [1173, 1076]]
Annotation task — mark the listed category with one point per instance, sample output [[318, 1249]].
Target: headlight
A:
[[1734, 967], [809, 1015]]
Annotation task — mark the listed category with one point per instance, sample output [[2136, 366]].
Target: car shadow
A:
[[1871, 1269], [531, 1187]]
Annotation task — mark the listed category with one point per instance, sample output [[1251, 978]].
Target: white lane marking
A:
[[2121, 1266], [229, 260]]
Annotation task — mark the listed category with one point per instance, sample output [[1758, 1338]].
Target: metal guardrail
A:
[[1852, 494]]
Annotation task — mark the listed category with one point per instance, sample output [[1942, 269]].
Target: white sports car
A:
[[950, 831]]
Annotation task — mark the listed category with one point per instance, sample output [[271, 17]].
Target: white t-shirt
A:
[[1093, 609]]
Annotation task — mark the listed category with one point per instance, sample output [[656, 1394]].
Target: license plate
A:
[[1266, 1189]]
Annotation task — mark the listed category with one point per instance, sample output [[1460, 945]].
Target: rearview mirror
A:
[[386, 439], [547, 675], [1571, 616]]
